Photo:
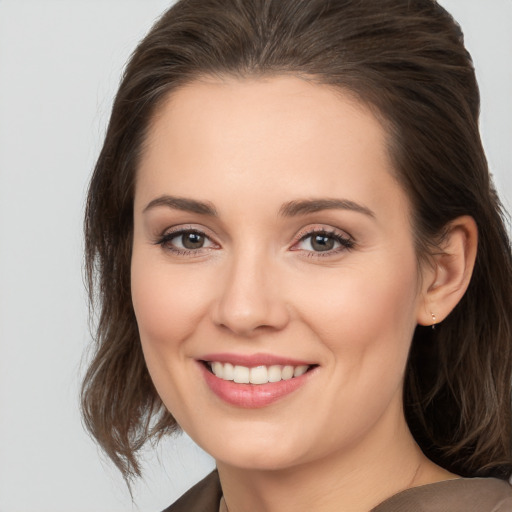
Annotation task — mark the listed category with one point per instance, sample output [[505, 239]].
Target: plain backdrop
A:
[[60, 62]]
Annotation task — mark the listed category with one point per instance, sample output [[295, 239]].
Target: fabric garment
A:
[[460, 495]]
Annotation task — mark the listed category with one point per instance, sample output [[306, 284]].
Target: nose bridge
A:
[[250, 296]]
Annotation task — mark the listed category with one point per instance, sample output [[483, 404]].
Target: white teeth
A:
[[218, 369], [299, 370], [287, 373], [259, 375], [256, 374], [229, 372], [274, 373], [241, 374]]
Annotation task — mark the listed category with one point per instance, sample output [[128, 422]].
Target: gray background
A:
[[60, 62]]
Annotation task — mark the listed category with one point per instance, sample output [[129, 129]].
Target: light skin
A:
[[227, 162]]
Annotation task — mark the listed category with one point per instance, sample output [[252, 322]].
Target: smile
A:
[[257, 374], [254, 381]]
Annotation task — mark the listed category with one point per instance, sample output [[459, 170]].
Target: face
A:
[[274, 276]]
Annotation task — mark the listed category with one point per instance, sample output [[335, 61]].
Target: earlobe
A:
[[447, 280]]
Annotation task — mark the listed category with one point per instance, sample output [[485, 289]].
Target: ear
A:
[[446, 279]]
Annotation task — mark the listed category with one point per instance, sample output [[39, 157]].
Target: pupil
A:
[[322, 243], [192, 241]]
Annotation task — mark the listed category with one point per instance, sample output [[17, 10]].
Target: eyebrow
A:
[[184, 204], [290, 209], [305, 206]]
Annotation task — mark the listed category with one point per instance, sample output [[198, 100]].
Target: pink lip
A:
[[252, 396], [254, 360]]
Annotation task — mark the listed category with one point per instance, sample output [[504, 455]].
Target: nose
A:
[[250, 299]]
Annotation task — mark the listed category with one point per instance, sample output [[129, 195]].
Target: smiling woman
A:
[[297, 249], [256, 291]]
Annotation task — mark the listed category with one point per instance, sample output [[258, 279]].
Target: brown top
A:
[[460, 495]]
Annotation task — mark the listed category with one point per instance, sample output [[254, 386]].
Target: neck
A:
[[355, 479]]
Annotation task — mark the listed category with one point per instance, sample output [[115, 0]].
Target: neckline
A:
[[444, 484], [406, 492]]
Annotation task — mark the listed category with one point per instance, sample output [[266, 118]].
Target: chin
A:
[[264, 453], [257, 460]]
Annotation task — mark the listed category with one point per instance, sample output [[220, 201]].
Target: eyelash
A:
[[346, 243], [165, 242]]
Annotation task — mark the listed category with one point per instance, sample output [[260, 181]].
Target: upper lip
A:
[[252, 360]]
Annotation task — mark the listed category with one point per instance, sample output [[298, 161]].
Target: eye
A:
[[185, 241], [190, 240], [322, 241]]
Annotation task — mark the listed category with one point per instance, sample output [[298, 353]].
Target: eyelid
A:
[[175, 231], [180, 228], [346, 241]]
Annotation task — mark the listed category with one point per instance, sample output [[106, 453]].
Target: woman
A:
[[302, 262]]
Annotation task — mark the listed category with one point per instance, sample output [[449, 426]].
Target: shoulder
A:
[[459, 495], [203, 497]]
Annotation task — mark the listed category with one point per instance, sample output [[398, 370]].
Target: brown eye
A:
[[185, 240], [192, 240], [322, 242]]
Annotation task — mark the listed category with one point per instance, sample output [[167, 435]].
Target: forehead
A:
[[254, 109], [264, 136]]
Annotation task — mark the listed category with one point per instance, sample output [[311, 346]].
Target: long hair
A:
[[406, 60]]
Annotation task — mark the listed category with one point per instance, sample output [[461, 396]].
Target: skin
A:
[[247, 147]]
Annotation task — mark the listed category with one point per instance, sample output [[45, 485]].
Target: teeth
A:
[[256, 374], [299, 370], [259, 375], [229, 371], [218, 369], [287, 373], [274, 373], [241, 375]]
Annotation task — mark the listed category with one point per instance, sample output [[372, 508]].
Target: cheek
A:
[[365, 311], [166, 302], [168, 307]]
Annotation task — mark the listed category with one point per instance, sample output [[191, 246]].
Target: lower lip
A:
[[252, 396]]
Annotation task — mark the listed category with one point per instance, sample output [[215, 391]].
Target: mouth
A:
[[255, 380], [256, 375]]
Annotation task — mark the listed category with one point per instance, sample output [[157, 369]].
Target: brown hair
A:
[[404, 58]]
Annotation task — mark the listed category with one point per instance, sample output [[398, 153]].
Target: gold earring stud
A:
[[433, 321]]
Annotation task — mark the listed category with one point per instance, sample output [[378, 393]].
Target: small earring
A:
[[433, 321]]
